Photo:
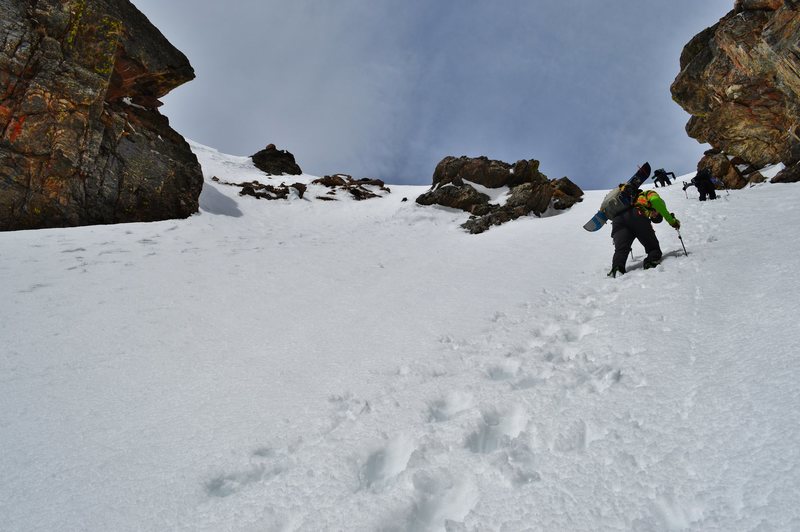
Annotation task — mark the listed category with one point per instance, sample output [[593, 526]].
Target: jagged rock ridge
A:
[[740, 81], [81, 140]]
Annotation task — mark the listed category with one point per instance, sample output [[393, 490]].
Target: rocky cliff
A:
[[81, 140], [740, 81]]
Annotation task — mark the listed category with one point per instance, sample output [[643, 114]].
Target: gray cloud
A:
[[386, 88]]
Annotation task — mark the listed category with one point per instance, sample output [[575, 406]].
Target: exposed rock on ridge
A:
[[357, 189], [530, 191], [81, 141], [740, 81], [273, 161]]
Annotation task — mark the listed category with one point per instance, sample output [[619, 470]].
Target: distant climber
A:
[[635, 223], [705, 184], [660, 177]]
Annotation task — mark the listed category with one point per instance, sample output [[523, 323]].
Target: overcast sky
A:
[[387, 88]]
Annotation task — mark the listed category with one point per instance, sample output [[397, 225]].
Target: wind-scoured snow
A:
[[308, 365]]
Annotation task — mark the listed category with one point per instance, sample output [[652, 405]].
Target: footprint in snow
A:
[[560, 354], [449, 406], [504, 370], [527, 382], [576, 437], [347, 408], [572, 439], [264, 466], [587, 315], [498, 317], [672, 514], [497, 429], [439, 497], [387, 462], [576, 334], [518, 464], [599, 379]]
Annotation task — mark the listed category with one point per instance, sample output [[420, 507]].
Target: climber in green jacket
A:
[[635, 223]]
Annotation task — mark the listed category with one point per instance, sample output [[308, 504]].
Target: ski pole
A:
[[682, 244]]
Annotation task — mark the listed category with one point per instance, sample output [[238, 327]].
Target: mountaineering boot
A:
[[616, 270], [650, 263]]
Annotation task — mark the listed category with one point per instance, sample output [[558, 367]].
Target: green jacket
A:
[[650, 204]]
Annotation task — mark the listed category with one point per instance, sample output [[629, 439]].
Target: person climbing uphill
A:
[[660, 177], [705, 183], [636, 223]]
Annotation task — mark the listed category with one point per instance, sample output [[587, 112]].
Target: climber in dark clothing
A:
[[704, 182], [660, 177], [635, 223]]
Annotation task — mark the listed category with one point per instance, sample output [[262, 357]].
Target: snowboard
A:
[[598, 220]]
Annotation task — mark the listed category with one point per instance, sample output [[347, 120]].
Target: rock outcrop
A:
[[358, 189], [273, 161], [740, 81], [724, 169], [529, 190], [332, 185], [81, 140], [267, 191]]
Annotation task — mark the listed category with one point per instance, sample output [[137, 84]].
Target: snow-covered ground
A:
[[309, 365]]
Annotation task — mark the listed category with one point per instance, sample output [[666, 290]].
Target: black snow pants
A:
[[706, 188], [626, 227]]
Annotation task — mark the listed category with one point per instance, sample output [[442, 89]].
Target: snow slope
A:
[[308, 365]]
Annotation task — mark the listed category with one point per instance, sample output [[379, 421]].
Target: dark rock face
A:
[[273, 161], [740, 81], [790, 174], [81, 141], [463, 197], [565, 193], [530, 190], [486, 172], [753, 5]]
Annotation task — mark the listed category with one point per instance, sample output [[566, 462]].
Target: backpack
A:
[[618, 200]]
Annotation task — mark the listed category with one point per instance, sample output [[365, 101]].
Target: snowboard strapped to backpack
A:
[[619, 199]]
